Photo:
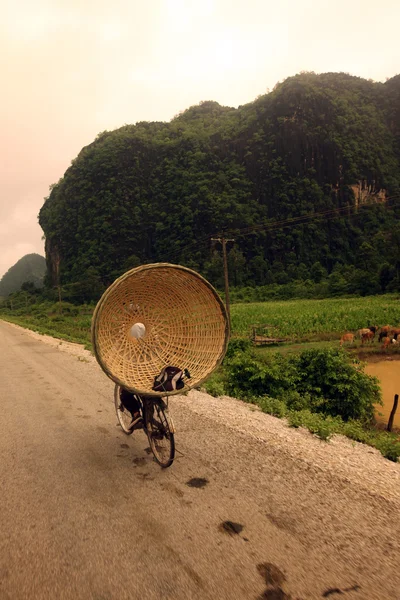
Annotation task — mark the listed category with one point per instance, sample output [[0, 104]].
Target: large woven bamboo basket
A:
[[184, 320]]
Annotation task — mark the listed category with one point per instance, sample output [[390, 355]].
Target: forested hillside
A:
[[154, 192], [30, 268]]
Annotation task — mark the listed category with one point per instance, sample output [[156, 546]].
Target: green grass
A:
[[73, 324]]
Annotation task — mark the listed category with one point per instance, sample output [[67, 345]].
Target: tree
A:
[[236, 267], [386, 274], [317, 272]]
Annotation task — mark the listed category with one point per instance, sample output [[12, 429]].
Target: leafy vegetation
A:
[[320, 146], [323, 381]]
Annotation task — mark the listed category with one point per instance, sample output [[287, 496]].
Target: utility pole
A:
[[223, 241]]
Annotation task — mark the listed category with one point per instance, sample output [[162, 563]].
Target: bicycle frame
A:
[[147, 403], [156, 423]]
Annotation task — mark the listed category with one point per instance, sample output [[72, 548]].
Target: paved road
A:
[[86, 514]]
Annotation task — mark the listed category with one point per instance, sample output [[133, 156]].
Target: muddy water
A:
[[388, 373]]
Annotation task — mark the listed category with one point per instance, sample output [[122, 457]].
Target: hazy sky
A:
[[72, 68]]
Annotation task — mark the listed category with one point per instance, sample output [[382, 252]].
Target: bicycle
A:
[[165, 315], [156, 422]]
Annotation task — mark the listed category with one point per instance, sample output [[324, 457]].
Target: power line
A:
[[333, 212], [328, 215]]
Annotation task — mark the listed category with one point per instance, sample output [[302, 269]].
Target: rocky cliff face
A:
[[366, 193]]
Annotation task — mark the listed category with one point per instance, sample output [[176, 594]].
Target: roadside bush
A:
[[342, 387], [39, 309], [313, 422], [215, 388], [355, 431], [272, 406], [57, 319], [70, 309], [237, 346], [249, 376], [66, 308], [295, 400], [322, 381], [388, 446]]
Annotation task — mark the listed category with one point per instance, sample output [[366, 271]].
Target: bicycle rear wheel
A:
[[123, 415], [160, 431]]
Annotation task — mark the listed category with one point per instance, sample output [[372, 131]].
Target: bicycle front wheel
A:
[[123, 415], [160, 431]]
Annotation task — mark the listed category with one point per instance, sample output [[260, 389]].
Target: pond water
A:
[[388, 373]]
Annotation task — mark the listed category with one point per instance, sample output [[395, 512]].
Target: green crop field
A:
[[297, 320], [302, 319]]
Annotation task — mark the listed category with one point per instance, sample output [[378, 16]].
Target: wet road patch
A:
[[271, 574], [274, 578], [103, 429], [231, 527], [274, 594], [331, 591], [197, 482]]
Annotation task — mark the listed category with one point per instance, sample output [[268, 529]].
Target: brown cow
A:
[[361, 332], [384, 332], [347, 337], [386, 342], [395, 333], [367, 337]]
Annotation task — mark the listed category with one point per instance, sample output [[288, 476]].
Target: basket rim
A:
[[99, 306]]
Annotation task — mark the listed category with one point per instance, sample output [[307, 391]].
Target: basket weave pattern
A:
[[185, 320]]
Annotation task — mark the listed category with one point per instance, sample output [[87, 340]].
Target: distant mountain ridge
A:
[[31, 267]]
